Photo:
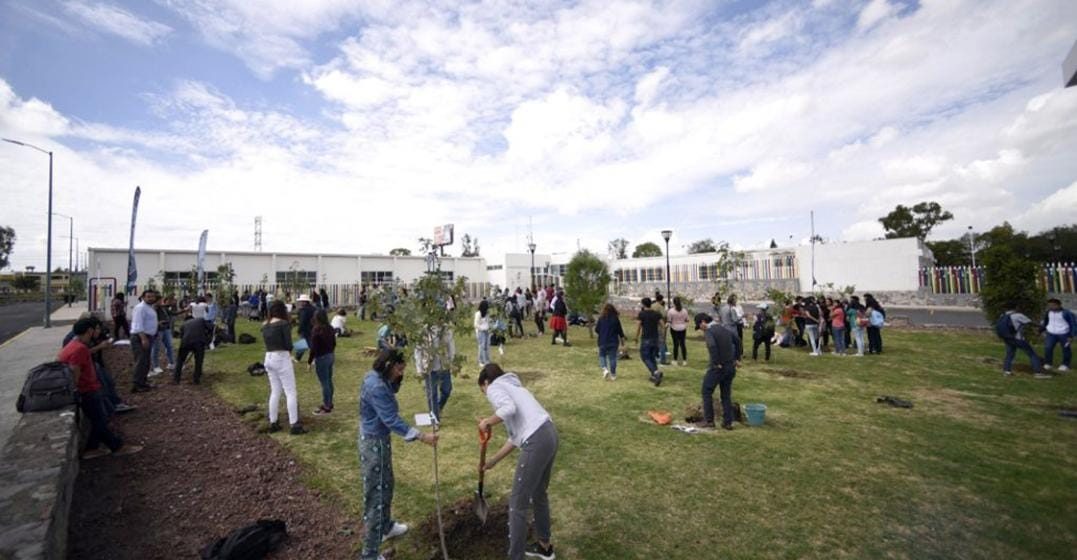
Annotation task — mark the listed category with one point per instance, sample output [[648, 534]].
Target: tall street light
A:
[[531, 247], [972, 248], [70, 241], [48, 251], [666, 234]]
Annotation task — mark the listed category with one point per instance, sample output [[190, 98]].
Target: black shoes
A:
[[727, 427], [274, 427], [656, 377], [297, 430], [535, 550]]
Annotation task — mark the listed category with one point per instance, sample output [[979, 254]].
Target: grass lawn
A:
[[982, 467]]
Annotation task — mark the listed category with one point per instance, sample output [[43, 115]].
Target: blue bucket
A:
[[756, 413]]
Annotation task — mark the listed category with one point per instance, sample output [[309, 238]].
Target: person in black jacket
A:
[[194, 341], [724, 348], [306, 322]]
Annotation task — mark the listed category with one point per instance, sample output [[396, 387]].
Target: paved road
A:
[[16, 317]]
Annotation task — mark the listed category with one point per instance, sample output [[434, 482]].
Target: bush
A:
[[1010, 282]]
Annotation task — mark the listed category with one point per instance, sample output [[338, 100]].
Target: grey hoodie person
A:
[[516, 407]]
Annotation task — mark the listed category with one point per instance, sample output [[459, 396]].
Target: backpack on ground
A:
[[252, 542], [256, 369], [245, 338], [48, 386], [1004, 327]]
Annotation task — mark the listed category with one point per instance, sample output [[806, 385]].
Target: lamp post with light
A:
[[531, 247], [48, 250], [666, 234]]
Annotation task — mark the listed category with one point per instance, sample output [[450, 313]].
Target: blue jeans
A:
[[813, 337], [94, 408], [108, 387], [858, 338], [648, 353], [164, 336], [438, 389], [1012, 346], [607, 359], [839, 339], [484, 346], [1049, 348], [376, 463], [323, 366]]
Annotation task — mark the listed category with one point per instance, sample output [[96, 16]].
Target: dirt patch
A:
[[792, 373], [202, 474], [465, 535], [693, 412]]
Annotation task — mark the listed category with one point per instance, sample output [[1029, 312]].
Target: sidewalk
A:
[[34, 346], [68, 315]]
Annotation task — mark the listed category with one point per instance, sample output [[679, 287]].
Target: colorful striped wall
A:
[[1055, 278]]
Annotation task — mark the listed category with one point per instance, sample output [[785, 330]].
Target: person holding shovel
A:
[[379, 416], [530, 429]]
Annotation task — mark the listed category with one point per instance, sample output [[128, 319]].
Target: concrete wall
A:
[[872, 266]]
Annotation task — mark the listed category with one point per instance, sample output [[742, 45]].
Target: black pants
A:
[[875, 340], [723, 380], [563, 334], [142, 361], [755, 347], [678, 344], [848, 336], [540, 322], [740, 336], [93, 407], [120, 323], [231, 326], [518, 322], [824, 334], [199, 355], [800, 332]]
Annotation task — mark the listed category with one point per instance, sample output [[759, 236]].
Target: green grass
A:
[[982, 467]]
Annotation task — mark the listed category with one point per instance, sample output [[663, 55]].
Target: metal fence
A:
[[1054, 278]]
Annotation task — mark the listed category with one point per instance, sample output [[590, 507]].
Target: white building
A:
[[515, 270], [342, 275]]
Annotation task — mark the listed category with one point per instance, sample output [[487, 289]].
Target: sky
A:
[[356, 127]]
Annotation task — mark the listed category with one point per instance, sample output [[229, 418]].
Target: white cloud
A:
[[117, 21], [1057, 208], [874, 12]]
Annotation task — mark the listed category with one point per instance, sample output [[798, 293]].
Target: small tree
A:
[[400, 252], [425, 310], [917, 221], [1010, 282], [470, 246], [618, 248], [26, 283], [702, 246], [952, 252], [7, 244], [647, 249], [77, 287], [587, 282]]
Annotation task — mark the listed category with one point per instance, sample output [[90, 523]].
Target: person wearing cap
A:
[[724, 348]]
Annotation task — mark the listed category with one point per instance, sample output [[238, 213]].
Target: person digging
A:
[[531, 429], [724, 348]]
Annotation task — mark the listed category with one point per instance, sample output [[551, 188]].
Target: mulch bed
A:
[[203, 473]]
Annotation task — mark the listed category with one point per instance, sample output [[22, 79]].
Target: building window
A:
[[308, 277], [494, 267], [377, 277]]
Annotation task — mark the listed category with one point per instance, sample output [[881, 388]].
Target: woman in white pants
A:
[[277, 334]]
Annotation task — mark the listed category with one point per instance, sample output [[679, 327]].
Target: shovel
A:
[[481, 509]]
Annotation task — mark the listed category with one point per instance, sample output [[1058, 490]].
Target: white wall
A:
[[881, 265]]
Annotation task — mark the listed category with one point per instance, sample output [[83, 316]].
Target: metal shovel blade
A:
[[481, 509]]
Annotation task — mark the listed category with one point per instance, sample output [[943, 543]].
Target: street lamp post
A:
[[972, 248], [666, 234], [531, 247], [48, 251]]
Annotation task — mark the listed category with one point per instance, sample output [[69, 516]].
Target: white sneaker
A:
[[605, 373], [1042, 376], [1047, 367], [397, 530], [1063, 368], [170, 367], [1007, 373], [501, 350], [158, 370], [154, 373]]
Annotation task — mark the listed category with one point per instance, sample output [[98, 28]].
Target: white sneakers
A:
[[397, 530], [1063, 368], [156, 371], [1047, 367], [605, 373]]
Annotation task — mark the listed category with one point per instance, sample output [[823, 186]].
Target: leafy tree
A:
[[952, 252], [77, 287], [425, 310], [470, 247], [426, 245], [7, 244], [400, 252], [1058, 244], [1010, 282], [647, 249], [702, 246], [587, 281], [26, 282], [917, 221], [618, 248]]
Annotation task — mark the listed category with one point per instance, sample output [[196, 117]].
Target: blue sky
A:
[[358, 126]]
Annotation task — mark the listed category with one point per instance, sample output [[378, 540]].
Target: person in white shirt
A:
[[540, 311], [482, 331], [340, 323], [143, 331], [198, 308], [1060, 324], [532, 431]]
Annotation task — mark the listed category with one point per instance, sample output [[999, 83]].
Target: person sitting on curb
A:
[[1060, 324], [1009, 327], [724, 348], [98, 343], [532, 431], [76, 354]]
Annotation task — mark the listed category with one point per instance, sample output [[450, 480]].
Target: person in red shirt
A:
[[76, 354]]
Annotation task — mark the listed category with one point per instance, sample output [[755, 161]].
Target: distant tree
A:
[[470, 246], [26, 282], [7, 244], [1058, 244], [917, 221], [952, 252], [400, 252], [1010, 282], [426, 245], [647, 249], [587, 281], [618, 248], [702, 246]]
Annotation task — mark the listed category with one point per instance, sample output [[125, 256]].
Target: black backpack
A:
[[256, 369], [252, 542], [245, 338], [1004, 327], [48, 386]]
